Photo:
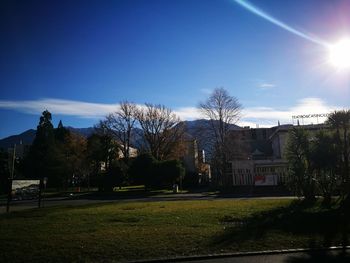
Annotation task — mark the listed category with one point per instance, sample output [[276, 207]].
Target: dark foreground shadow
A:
[[322, 226], [321, 256]]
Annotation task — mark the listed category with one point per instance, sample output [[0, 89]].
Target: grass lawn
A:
[[130, 231]]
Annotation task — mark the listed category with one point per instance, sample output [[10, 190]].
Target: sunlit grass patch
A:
[[140, 230]]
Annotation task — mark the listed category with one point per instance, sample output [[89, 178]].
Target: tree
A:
[[61, 132], [301, 179], [162, 130], [222, 110], [145, 169], [168, 172], [94, 152], [324, 159], [75, 150], [340, 121], [141, 169], [60, 174], [120, 124], [109, 148], [101, 148], [115, 176], [41, 154], [101, 152]]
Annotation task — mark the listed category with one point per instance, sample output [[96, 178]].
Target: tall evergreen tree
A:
[[60, 165], [61, 132], [41, 154]]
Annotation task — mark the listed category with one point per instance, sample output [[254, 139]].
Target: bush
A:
[[141, 169], [167, 173], [116, 176], [191, 179], [152, 173]]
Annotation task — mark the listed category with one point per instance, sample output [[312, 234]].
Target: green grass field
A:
[[146, 230]]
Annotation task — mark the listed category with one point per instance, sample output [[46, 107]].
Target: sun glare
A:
[[339, 54]]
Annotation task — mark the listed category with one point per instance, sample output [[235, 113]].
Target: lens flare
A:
[[253, 9], [339, 54]]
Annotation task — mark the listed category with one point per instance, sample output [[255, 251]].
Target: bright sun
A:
[[339, 54]]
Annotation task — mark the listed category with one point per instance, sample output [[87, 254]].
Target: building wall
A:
[[244, 171], [279, 143], [190, 158], [132, 153], [283, 138]]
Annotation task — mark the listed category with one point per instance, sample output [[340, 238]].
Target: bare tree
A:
[[162, 129], [222, 110], [120, 124]]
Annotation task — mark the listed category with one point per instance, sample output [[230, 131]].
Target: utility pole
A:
[[10, 179], [13, 161]]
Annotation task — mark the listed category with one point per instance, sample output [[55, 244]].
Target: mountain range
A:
[[193, 129]]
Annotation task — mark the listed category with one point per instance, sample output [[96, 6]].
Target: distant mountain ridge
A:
[[86, 132], [193, 128], [28, 136]]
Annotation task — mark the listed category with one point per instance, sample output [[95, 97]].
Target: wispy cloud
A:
[[79, 108], [60, 107], [206, 91], [266, 85], [188, 113], [269, 116], [251, 116]]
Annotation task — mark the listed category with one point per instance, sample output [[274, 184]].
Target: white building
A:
[[265, 163]]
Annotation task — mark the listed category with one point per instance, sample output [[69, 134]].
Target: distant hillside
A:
[[201, 130], [194, 129], [26, 137], [86, 132]]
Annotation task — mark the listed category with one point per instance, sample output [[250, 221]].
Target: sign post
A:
[[45, 182], [9, 191], [40, 187]]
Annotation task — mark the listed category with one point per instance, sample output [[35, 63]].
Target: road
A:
[[295, 257]]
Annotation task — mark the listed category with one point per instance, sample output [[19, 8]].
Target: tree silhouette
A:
[[41, 155], [324, 159], [300, 178], [340, 121], [162, 130], [222, 110], [120, 124]]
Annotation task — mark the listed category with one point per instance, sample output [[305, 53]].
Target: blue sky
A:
[[79, 59]]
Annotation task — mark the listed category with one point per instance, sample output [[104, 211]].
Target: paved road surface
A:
[[299, 257]]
